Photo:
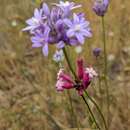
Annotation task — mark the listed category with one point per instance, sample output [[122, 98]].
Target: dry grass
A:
[[28, 99]]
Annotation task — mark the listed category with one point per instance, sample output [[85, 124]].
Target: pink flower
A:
[[64, 81], [85, 76]]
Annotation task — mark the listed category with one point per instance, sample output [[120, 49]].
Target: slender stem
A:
[[99, 82], [97, 109], [69, 64], [71, 108], [91, 113], [105, 68], [71, 69], [100, 91], [104, 45], [74, 119]]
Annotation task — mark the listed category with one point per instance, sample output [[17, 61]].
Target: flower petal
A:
[[70, 33], [77, 6], [76, 18], [36, 13], [68, 22], [27, 28], [86, 33], [80, 38], [68, 85], [85, 24], [46, 32], [29, 21], [80, 69], [45, 50], [46, 9], [86, 80], [59, 86], [73, 42], [34, 39], [60, 45]]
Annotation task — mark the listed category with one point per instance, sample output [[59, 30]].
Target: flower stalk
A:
[[97, 107], [73, 116], [91, 113], [69, 64], [70, 99], [105, 67]]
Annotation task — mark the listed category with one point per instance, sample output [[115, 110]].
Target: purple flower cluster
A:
[[100, 7], [58, 25]]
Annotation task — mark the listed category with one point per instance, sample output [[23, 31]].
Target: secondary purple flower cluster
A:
[[58, 25]]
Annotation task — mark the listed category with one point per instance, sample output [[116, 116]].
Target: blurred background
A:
[[28, 98]]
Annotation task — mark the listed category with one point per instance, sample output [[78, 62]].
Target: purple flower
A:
[[41, 40], [56, 14], [78, 28], [58, 25], [100, 7], [45, 10], [35, 21], [60, 45], [67, 5], [96, 52], [58, 56]]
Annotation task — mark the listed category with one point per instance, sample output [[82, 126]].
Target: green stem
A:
[[71, 69], [105, 68], [91, 113], [69, 64], [71, 108], [74, 119], [100, 91], [97, 109], [99, 82]]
